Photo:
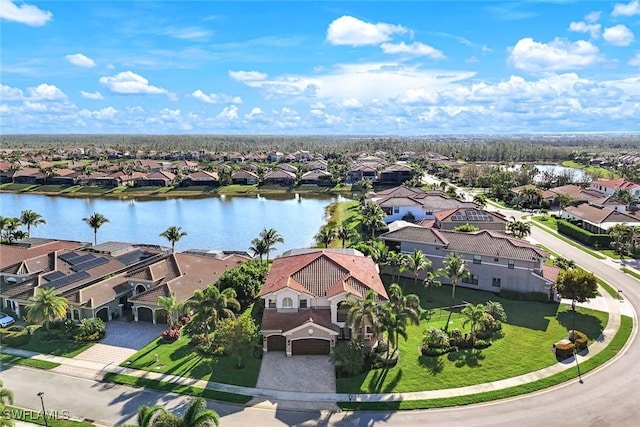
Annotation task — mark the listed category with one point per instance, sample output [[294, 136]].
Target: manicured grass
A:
[[17, 188], [529, 332], [35, 416], [339, 214], [597, 170], [630, 272], [180, 358], [26, 361], [49, 188], [177, 388], [57, 348], [617, 343], [238, 189]]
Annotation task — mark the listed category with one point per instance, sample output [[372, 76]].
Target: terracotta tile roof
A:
[[12, 254], [274, 321], [402, 191], [618, 183], [324, 272], [598, 214], [391, 201], [550, 272]]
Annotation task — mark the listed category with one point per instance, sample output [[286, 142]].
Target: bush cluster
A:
[[171, 335], [15, 336], [90, 330]]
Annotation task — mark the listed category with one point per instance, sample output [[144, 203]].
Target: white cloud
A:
[[418, 96], [583, 27], [91, 95], [593, 17], [486, 49], [24, 14], [557, 55], [228, 113], [107, 113], [629, 9], [413, 49], [189, 33], [635, 61], [8, 93], [255, 112], [245, 76], [214, 98], [168, 114], [128, 83], [351, 103], [351, 31], [618, 35], [81, 60], [45, 92]]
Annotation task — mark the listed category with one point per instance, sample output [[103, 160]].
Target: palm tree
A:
[[495, 310], [364, 312], [431, 282], [31, 219], [405, 309], [564, 263], [10, 229], [416, 263], [6, 396], [344, 233], [480, 200], [196, 415], [173, 234], [148, 415], [519, 229], [171, 305], [473, 314], [270, 237], [210, 306], [455, 268], [95, 221], [258, 248], [325, 236], [395, 260], [46, 306]]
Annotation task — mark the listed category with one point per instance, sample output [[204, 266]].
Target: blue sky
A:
[[319, 67]]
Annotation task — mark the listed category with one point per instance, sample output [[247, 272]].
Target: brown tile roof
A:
[[550, 272], [274, 321], [417, 234], [324, 273], [12, 254], [402, 191], [598, 214], [618, 183]]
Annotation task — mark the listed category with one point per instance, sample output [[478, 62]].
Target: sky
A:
[[319, 67]]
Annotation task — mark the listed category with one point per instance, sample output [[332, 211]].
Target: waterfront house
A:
[[279, 177], [200, 178], [155, 179], [305, 294], [244, 177]]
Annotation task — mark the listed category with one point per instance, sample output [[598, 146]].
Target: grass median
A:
[[27, 361]]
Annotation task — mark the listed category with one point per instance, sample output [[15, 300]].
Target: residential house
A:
[[483, 220], [279, 177], [576, 194], [28, 176], [610, 186], [318, 165], [185, 166], [598, 219], [360, 171], [305, 294], [200, 178], [395, 174], [288, 167], [317, 177], [155, 179], [274, 156], [244, 177], [496, 261]]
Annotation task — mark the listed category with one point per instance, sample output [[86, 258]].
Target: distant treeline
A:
[[499, 148]]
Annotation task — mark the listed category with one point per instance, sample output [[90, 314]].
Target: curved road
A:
[[608, 396]]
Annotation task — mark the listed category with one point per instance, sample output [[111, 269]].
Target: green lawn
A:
[[596, 170], [551, 223], [529, 332], [57, 348], [180, 358], [631, 272]]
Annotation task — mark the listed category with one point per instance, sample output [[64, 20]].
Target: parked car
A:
[[6, 320]]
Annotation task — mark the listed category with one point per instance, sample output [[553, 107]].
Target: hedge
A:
[[522, 296], [583, 236]]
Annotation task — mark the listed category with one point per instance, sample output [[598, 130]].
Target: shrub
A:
[[91, 326], [482, 344], [16, 328], [349, 359], [171, 335], [184, 319], [434, 352], [16, 338], [579, 339], [96, 336], [197, 339], [563, 349], [384, 360]]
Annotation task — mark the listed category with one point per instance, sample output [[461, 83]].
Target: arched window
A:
[[140, 289], [287, 302]]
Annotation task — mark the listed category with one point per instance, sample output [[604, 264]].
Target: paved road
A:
[[608, 396]]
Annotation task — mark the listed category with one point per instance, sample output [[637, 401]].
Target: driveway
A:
[[297, 373]]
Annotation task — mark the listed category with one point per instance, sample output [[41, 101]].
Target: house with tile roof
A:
[[305, 294], [598, 219], [610, 186], [483, 220], [496, 261]]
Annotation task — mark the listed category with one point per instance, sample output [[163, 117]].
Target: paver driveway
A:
[[297, 373]]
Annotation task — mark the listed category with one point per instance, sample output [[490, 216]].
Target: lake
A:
[[578, 175], [225, 222]]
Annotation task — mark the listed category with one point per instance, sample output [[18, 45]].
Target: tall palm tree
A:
[[210, 306], [171, 305], [405, 309], [480, 200], [416, 262], [31, 219], [148, 416], [495, 310], [325, 236], [519, 229], [454, 268], [46, 306], [344, 233], [173, 234], [473, 314], [364, 312], [95, 221], [270, 237], [196, 415], [258, 247], [431, 282]]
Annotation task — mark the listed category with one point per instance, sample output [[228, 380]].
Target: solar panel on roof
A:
[[133, 257], [68, 279], [53, 275], [68, 256], [81, 259], [89, 264]]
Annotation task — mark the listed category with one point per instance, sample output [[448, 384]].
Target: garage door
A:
[[145, 314], [276, 343], [310, 346], [103, 314]]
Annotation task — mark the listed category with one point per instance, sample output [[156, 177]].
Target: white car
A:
[[6, 320]]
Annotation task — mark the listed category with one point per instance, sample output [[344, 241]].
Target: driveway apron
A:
[[297, 373]]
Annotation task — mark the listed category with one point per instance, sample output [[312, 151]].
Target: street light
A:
[[44, 412], [573, 323], [575, 355]]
